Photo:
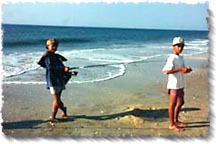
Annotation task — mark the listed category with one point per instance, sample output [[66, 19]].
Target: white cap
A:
[[178, 40]]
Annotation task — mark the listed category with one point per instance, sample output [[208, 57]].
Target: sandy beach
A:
[[130, 106]]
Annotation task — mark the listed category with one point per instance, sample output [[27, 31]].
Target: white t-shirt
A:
[[175, 80]]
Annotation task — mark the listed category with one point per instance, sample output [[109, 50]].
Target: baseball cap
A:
[[178, 40]]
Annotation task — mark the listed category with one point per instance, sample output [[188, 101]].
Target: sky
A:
[[119, 15]]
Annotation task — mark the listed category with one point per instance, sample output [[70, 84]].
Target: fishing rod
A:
[[75, 73], [103, 65], [98, 65]]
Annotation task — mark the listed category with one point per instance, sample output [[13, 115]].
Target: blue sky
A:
[[121, 15]]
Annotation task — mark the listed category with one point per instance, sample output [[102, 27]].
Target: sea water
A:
[[109, 50]]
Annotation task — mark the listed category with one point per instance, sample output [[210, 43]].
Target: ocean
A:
[[109, 50]]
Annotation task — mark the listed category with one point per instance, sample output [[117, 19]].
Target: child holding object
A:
[[175, 69], [57, 76]]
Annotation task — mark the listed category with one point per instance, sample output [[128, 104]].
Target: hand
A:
[[185, 69], [66, 69], [75, 73], [189, 69]]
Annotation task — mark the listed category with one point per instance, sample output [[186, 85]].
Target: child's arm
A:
[[182, 69], [170, 69], [41, 61]]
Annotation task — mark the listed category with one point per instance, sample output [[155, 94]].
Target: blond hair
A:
[[52, 41]]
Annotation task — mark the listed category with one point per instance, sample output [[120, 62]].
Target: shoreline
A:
[[134, 105]]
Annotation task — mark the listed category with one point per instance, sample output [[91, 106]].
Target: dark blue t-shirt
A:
[[54, 69]]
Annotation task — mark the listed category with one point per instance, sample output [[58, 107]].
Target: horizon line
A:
[[138, 28]]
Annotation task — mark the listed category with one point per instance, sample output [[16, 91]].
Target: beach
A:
[[130, 106]]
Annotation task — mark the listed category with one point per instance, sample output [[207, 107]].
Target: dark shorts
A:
[[178, 92]]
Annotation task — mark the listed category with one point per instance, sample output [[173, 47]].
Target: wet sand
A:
[[134, 105]]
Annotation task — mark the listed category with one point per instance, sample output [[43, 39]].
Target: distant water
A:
[[113, 48]]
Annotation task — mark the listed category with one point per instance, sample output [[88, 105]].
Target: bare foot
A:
[[181, 124], [177, 128], [64, 113], [53, 120]]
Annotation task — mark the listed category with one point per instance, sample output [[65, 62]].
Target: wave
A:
[[121, 72], [15, 64], [32, 42], [23, 43], [21, 72], [21, 68], [74, 52], [76, 40], [198, 43], [196, 46], [19, 64]]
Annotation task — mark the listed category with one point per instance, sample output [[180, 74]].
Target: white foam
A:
[[121, 72], [75, 52], [19, 63]]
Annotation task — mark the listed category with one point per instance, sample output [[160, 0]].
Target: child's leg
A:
[[61, 105], [179, 104], [172, 105], [55, 105]]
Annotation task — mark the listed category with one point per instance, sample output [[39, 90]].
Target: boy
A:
[[175, 69], [55, 71]]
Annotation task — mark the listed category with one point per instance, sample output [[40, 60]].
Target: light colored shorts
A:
[[55, 90]]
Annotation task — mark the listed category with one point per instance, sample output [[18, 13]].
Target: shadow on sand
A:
[[145, 114]]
